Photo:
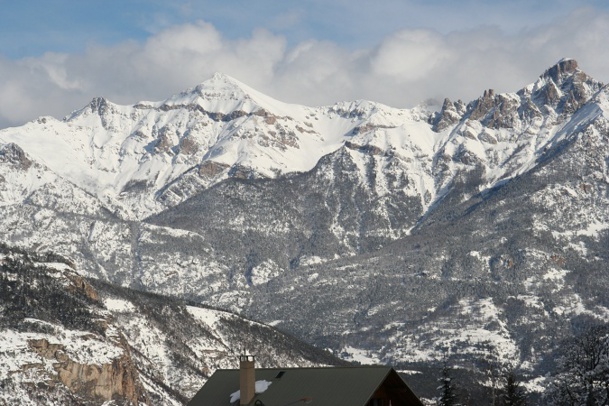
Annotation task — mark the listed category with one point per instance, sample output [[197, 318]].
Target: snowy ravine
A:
[[478, 230]]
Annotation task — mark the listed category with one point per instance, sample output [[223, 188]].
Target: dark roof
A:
[[331, 386]]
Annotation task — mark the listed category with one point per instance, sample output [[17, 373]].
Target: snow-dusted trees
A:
[[583, 370]]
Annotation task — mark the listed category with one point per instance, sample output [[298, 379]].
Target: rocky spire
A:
[[449, 115], [564, 67], [483, 105], [567, 87]]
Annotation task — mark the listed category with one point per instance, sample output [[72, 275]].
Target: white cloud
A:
[[401, 70], [410, 54]]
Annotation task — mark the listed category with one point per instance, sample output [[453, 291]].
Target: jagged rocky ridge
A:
[[479, 229]]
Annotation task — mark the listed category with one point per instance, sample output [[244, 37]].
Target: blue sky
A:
[[32, 27], [56, 55]]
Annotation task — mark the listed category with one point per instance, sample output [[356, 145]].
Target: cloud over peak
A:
[[401, 70]]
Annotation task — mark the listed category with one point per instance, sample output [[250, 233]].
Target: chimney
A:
[[247, 379]]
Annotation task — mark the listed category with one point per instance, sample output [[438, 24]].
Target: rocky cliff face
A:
[[96, 383]]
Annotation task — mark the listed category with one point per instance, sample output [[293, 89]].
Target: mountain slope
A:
[[69, 340], [500, 275]]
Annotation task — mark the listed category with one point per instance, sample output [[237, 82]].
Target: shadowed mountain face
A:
[[479, 230]]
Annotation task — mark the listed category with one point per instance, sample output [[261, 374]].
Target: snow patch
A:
[[208, 316], [261, 387], [364, 357], [119, 305]]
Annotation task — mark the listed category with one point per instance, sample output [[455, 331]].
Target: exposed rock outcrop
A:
[[242, 172], [366, 149], [567, 87], [483, 105], [362, 129], [13, 154], [80, 285], [497, 110], [117, 380], [561, 90], [450, 114], [167, 138], [188, 146], [211, 169], [563, 68]]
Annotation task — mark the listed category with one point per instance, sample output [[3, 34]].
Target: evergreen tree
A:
[[513, 394], [448, 392]]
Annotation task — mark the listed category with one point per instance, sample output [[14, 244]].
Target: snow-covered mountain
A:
[[468, 228], [138, 160]]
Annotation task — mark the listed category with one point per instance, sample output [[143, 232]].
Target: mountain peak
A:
[[220, 93], [563, 68], [224, 93], [564, 87], [221, 83], [221, 77]]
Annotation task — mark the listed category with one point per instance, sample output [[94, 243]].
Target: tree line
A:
[[581, 377]]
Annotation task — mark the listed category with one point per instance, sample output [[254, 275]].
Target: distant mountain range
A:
[[475, 230]]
